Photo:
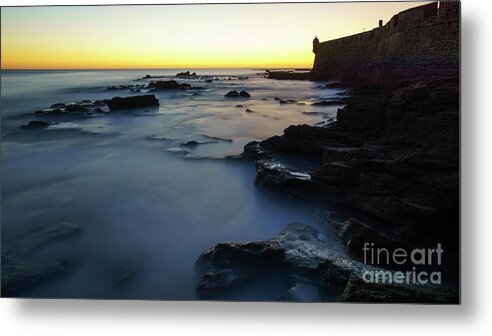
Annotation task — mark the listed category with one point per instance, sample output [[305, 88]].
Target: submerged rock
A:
[[82, 109], [288, 101], [130, 87], [123, 274], [236, 94], [119, 103], [194, 143], [40, 235], [149, 77], [20, 271], [35, 125]]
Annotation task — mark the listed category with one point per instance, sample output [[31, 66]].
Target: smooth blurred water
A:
[[142, 202]]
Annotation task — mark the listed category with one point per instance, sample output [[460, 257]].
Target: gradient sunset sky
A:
[[179, 36]]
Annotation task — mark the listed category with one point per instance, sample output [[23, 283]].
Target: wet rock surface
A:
[[168, 85], [298, 264], [129, 87], [237, 94], [392, 154], [119, 103], [35, 124], [381, 156], [73, 110]]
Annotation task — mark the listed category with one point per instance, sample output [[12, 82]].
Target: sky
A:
[[180, 36]]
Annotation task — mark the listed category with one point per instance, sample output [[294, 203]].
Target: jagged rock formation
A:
[[391, 154], [298, 264]]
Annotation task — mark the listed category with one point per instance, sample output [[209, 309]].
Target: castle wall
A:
[[419, 42]]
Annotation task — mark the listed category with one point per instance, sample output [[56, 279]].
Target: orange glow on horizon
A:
[[173, 36]]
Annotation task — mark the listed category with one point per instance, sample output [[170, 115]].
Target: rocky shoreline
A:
[[392, 155]]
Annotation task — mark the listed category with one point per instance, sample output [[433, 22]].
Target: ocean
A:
[[151, 189]]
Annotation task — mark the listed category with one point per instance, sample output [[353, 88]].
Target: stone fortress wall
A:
[[419, 42]]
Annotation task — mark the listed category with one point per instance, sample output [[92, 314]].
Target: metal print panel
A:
[[251, 152]]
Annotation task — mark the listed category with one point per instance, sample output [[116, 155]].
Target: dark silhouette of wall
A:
[[420, 42]]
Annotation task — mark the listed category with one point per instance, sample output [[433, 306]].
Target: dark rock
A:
[[308, 140], [334, 85], [125, 87], [288, 101], [391, 153], [232, 267], [293, 75], [249, 111], [215, 138], [299, 265], [338, 173], [313, 113], [85, 108], [357, 234], [194, 143], [168, 85], [236, 94], [363, 115], [253, 151], [35, 124], [329, 102], [132, 102], [273, 174], [186, 74], [357, 290], [149, 77]]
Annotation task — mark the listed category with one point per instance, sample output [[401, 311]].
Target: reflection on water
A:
[[145, 209]]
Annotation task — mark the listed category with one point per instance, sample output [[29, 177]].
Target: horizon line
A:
[[156, 68]]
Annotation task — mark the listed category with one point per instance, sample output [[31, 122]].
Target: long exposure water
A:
[[147, 205]]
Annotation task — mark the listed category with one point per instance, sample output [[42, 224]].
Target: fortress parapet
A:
[[419, 42]]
